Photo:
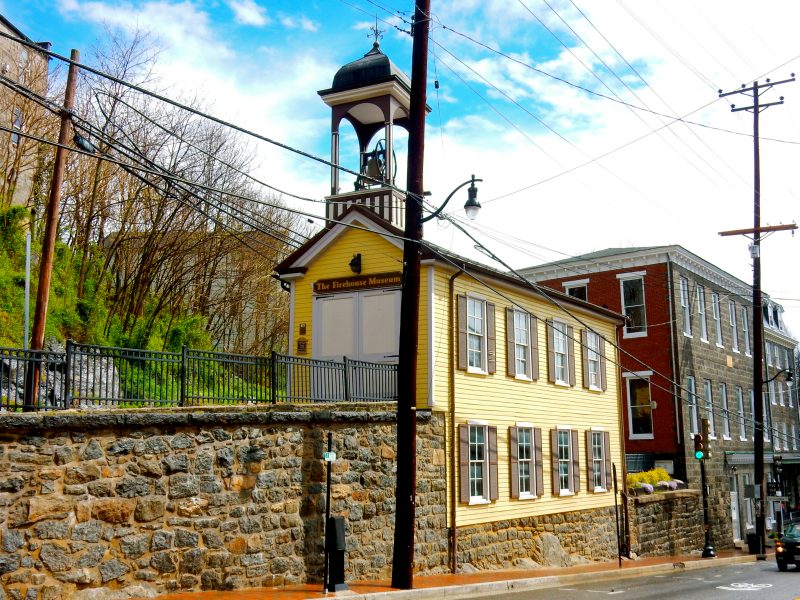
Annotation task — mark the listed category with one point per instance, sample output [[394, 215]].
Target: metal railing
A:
[[87, 376]]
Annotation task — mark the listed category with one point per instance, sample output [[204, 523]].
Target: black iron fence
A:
[[87, 376]]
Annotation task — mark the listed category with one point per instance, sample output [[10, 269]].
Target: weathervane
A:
[[374, 31]]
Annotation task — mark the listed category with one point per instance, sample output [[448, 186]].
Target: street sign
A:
[[329, 456]]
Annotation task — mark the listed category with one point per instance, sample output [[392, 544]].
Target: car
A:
[[787, 547]]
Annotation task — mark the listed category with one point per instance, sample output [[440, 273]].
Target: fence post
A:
[[273, 376], [67, 379], [346, 379], [184, 369]]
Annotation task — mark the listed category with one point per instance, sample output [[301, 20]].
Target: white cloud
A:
[[301, 22], [248, 12]]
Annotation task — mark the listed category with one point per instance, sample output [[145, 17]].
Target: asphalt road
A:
[[752, 581]]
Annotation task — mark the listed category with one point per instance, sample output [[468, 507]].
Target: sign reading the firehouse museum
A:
[[359, 282]]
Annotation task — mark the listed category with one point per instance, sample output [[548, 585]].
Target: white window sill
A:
[[522, 378], [561, 383], [594, 388], [748, 353], [600, 490], [641, 436], [476, 371], [526, 497], [720, 345], [566, 493], [635, 334], [478, 501], [704, 340], [689, 335], [726, 438], [735, 351], [742, 439]]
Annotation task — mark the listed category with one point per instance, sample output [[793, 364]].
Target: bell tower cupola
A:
[[374, 96]]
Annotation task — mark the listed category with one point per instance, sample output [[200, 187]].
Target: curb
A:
[[471, 590]]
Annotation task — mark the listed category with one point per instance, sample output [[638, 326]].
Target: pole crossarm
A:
[[752, 231]]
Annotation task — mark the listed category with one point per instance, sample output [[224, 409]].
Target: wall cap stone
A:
[[665, 496]]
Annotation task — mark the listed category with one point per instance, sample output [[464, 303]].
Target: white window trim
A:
[[742, 416], [484, 368], [567, 357], [529, 355], [569, 429], [686, 306], [716, 313], [734, 325], [604, 488], [637, 375], [475, 500], [529, 495], [725, 409], [624, 277], [701, 312], [708, 406], [694, 415], [748, 351], [589, 350]]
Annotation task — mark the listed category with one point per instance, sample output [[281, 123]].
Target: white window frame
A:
[[717, 315], [701, 312], [482, 351], [569, 286], [561, 356], [734, 328], [773, 399], [562, 462], [593, 359], [530, 462], [748, 504], [474, 462], [726, 413], [785, 434], [694, 417], [748, 351], [598, 450], [627, 277], [686, 309], [752, 396], [777, 351], [742, 416], [640, 375], [768, 353], [794, 436], [522, 344], [708, 398]]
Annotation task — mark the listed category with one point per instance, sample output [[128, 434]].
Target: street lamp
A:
[[758, 460], [471, 206]]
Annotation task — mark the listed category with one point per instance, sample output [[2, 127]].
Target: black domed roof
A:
[[373, 67]]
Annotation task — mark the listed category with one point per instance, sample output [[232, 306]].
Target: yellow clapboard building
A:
[[527, 384]]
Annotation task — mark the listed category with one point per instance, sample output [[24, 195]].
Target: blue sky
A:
[[535, 97]]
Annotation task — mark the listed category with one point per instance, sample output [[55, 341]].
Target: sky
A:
[[593, 124]]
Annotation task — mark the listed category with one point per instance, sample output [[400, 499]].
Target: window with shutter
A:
[[477, 463], [525, 451], [476, 335], [565, 463]]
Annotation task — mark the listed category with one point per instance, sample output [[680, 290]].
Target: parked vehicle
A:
[[787, 548]]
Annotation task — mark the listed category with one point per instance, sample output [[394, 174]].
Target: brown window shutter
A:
[[554, 460], [534, 323], [491, 341], [511, 363], [513, 451], [537, 460], [589, 457], [463, 462], [576, 463], [493, 487], [571, 353], [585, 357], [551, 360], [609, 482], [461, 302], [603, 381]]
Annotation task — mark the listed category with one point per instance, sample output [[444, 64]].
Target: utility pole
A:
[[755, 91], [50, 234], [406, 487]]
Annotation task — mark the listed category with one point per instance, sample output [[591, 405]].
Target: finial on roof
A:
[[377, 33]]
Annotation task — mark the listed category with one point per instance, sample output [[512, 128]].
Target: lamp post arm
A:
[[439, 210], [787, 371]]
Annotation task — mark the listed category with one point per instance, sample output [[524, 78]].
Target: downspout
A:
[[626, 549], [452, 393]]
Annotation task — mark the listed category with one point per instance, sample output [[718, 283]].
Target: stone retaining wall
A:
[[558, 540], [666, 524], [188, 499]]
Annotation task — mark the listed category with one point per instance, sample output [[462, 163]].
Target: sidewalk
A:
[[475, 584]]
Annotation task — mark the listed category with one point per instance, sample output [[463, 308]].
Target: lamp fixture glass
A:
[[472, 206]]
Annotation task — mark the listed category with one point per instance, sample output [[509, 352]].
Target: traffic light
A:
[[699, 447]]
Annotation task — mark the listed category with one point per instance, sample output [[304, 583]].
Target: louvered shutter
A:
[[461, 310], [537, 460], [513, 452], [603, 380], [551, 359], [589, 457], [463, 462], [511, 363], [534, 337], [607, 454], [492, 441], [576, 463], [571, 353], [491, 341], [554, 461]]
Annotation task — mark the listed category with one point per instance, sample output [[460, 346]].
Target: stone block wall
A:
[[666, 524], [560, 540], [189, 499]]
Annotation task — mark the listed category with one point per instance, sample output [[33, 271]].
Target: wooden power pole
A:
[[51, 232], [405, 491], [755, 91]]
